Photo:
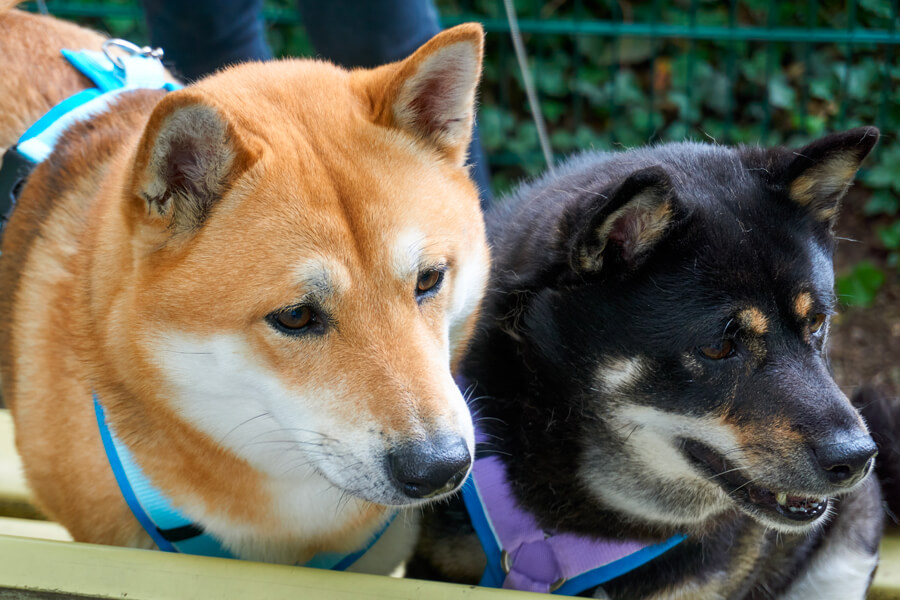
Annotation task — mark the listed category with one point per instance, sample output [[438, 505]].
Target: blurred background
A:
[[620, 74]]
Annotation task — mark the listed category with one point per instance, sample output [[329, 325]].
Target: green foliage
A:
[[860, 286]]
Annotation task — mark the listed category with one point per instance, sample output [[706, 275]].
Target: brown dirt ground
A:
[[864, 343]]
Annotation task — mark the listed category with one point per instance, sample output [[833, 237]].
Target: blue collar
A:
[[169, 528]]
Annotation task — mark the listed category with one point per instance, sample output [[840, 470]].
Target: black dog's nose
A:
[[846, 462], [428, 468]]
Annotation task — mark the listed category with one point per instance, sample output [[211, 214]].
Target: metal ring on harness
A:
[[131, 48], [506, 565]]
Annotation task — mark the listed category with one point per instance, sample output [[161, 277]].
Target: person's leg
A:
[[370, 33], [375, 32], [201, 36]]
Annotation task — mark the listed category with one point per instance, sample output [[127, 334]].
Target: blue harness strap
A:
[[152, 510], [601, 570], [139, 70], [170, 528]]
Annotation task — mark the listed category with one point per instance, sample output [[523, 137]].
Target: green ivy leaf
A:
[[781, 95], [882, 202], [890, 236], [859, 287], [879, 7]]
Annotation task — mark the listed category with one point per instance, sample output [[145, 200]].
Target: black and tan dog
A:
[[651, 361]]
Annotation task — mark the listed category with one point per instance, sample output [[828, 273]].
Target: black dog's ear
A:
[[819, 174], [633, 219]]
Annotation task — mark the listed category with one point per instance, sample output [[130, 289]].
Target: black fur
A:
[[882, 413], [649, 256]]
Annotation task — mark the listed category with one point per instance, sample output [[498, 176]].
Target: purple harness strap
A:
[[522, 556]]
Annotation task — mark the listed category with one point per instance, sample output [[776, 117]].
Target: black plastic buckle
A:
[[14, 173]]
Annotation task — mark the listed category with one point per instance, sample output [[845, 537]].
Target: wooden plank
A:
[[93, 571], [887, 577], [31, 528], [44, 569], [109, 572]]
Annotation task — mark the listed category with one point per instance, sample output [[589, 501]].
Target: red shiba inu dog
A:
[[264, 278]]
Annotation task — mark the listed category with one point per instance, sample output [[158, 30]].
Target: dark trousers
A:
[[200, 36]]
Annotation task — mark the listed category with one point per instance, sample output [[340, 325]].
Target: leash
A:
[[112, 74], [170, 528], [530, 91]]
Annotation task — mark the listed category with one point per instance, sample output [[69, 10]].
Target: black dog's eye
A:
[[815, 322], [295, 320], [429, 282], [723, 349]]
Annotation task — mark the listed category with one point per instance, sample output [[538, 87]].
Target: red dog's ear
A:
[[820, 173], [188, 157], [431, 94]]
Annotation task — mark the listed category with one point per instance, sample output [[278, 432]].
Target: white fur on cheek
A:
[[655, 462], [619, 373], [221, 391], [290, 435]]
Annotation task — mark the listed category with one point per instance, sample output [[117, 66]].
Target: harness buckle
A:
[[111, 44], [14, 171]]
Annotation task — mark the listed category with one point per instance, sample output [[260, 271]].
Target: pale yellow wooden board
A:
[[106, 572], [32, 528], [888, 574]]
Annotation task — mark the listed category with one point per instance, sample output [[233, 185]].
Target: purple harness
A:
[[522, 556]]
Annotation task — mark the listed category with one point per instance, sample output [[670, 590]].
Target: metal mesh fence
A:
[[626, 73]]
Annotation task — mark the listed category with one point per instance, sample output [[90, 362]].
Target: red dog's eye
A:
[[428, 281], [816, 322], [295, 318], [723, 349]]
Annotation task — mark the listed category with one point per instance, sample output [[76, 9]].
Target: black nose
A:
[[431, 467], [846, 462]]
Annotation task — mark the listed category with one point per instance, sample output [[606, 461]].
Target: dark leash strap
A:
[[14, 171]]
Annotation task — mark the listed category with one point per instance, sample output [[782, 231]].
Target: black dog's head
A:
[[654, 341]]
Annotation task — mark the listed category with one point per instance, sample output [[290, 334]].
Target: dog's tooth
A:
[[781, 498]]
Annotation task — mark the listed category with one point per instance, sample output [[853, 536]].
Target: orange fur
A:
[[41, 77], [99, 275], [803, 304], [754, 320]]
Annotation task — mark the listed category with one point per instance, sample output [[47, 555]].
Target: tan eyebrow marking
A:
[[322, 276], [803, 303], [753, 320]]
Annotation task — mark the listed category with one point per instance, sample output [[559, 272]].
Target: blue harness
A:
[[523, 556], [113, 74]]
